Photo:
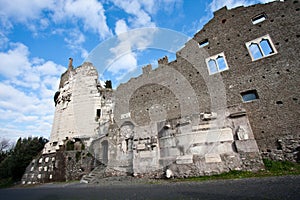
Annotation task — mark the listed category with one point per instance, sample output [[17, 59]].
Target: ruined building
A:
[[229, 99]]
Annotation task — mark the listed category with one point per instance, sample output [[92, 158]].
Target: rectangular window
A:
[[249, 95], [98, 113], [203, 43], [216, 63], [261, 47], [259, 18]]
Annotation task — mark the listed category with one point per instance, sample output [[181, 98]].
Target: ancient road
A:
[[287, 187]]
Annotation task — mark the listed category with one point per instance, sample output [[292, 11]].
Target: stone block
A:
[[226, 135], [212, 158], [197, 149], [246, 146], [169, 152], [140, 146], [146, 154], [186, 159]]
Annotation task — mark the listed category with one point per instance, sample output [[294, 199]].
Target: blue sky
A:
[[38, 36]]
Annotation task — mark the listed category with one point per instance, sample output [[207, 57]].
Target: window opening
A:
[[203, 43], [266, 47], [221, 63], [212, 66], [255, 51], [216, 63], [261, 47], [249, 95], [259, 18], [98, 113]]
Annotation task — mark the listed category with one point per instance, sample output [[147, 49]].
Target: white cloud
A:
[[125, 60], [125, 64], [50, 68], [15, 61], [91, 13], [39, 16], [75, 40], [24, 10], [121, 27], [134, 7], [26, 92]]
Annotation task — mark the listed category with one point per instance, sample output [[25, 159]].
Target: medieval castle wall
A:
[[272, 79], [230, 97]]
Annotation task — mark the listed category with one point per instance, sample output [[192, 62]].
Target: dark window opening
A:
[[98, 113], [204, 43], [249, 95], [259, 18]]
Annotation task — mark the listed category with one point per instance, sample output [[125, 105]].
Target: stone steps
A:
[[98, 172]]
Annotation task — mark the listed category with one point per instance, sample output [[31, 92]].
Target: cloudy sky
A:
[[38, 36]]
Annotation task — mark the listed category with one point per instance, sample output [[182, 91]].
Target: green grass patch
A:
[[272, 168]]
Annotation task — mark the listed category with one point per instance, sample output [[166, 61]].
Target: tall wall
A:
[[184, 86], [77, 103], [183, 116], [275, 115]]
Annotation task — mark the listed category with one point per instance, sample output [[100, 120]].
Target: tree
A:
[[5, 147], [14, 165]]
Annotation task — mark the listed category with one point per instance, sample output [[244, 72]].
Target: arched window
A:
[[261, 47], [212, 66], [266, 47], [255, 51], [216, 63]]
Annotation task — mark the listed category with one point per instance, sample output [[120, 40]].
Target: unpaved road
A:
[[286, 187]]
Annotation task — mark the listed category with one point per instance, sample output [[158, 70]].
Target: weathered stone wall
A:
[[59, 166], [184, 87], [181, 118], [76, 107], [275, 114]]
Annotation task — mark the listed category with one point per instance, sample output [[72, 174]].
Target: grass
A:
[[272, 168]]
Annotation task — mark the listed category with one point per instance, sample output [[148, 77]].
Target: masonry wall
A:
[[76, 106], [275, 114], [273, 117]]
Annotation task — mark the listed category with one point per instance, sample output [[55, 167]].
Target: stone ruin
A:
[[229, 99]]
